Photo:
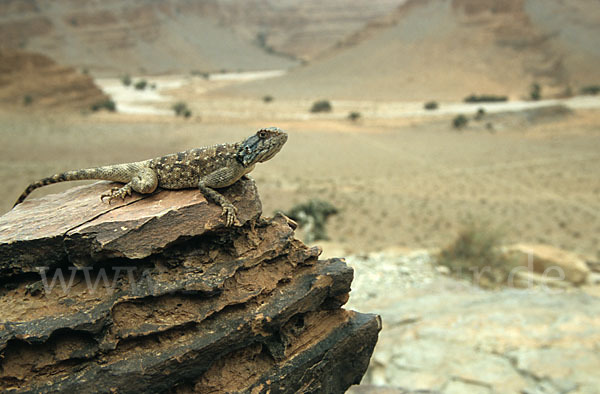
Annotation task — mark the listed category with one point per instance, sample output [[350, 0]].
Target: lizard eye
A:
[[262, 134], [248, 150]]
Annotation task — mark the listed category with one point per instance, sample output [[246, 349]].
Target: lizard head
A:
[[261, 146]]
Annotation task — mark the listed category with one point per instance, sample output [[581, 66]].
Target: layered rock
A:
[[30, 79], [156, 294]]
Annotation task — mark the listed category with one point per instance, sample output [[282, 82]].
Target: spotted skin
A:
[[206, 168]]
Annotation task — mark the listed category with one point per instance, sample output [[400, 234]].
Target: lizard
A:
[[208, 168]]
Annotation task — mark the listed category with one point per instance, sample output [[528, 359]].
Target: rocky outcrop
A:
[[33, 80], [155, 294], [443, 335]]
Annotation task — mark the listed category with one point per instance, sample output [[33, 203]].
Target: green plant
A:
[[354, 116], [107, 104], [535, 92], [27, 100], [485, 98], [311, 216], [475, 254], [591, 90], [431, 105], [181, 109], [126, 80], [141, 84], [459, 121], [480, 114], [268, 98], [321, 106]]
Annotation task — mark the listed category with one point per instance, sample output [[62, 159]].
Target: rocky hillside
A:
[[33, 80], [173, 36], [157, 295], [448, 49]]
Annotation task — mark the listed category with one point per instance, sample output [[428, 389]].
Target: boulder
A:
[[550, 261], [156, 294]]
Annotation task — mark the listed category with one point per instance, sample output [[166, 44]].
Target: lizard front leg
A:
[[229, 210], [143, 181]]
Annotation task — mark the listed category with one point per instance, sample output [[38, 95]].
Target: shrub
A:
[[141, 84], [535, 93], [591, 90], [126, 80], [475, 254], [181, 109], [311, 216], [459, 121], [321, 106], [431, 105], [354, 116], [480, 114], [268, 99], [485, 98], [107, 104], [27, 100]]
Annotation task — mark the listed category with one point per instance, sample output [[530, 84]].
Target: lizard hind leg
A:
[[144, 181]]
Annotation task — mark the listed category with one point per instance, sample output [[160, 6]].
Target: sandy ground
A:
[[398, 182]]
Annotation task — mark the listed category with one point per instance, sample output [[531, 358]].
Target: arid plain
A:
[[397, 182]]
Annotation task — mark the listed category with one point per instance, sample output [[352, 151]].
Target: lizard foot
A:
[[116, 192], [230, 213]]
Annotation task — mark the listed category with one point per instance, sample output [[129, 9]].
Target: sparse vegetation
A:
[[354, 116], [485, 98], [480, 114], [431, 105], [181, 109], [535, 92], [591, 90], [475, 254], [321, 106], [107, 104], [459, 121], [126, 80], [268, 98], [27, 100], [141, 84], [311, 217]]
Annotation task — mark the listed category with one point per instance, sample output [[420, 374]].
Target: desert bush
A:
[[485, 98], [591, 90], [321, 106], [535, 92], [431, 105], [107, 104], [480, 114], [475, 254], [181, 109], [459, 121], [126, 80], [27, 100], [141, 84], [268, 98], [354, 116], [311, 216]]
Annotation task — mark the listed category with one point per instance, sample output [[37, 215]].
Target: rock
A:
[[29, 79], [551, 262], [157, 294], [446, 335]]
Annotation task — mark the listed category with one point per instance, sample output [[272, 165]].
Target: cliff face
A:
[[147, 36], [157, 294], [34, 80], [446, 50]]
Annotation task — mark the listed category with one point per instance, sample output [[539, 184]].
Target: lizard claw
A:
[[116, 192], [230, 213]]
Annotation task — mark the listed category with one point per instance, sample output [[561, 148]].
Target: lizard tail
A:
[[117, 173]]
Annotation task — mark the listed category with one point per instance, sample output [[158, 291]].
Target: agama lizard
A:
[[207, 168]]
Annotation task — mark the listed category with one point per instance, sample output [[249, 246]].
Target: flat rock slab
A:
[[77, 228]]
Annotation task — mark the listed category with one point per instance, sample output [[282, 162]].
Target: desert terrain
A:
[[405, 180]]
